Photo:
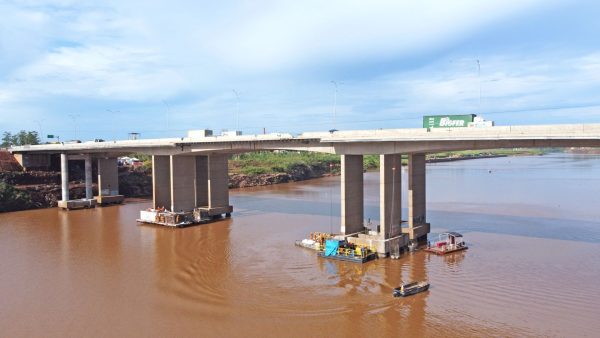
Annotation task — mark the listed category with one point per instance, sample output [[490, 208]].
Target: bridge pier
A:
[[352, 194], [89, 194], [390, 194], [418, 228], [108, 182], [65, 202], [183, 183], [161, 181], [183, 176], [64, 176]]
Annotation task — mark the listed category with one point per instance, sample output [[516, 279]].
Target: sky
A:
[[101, 69]]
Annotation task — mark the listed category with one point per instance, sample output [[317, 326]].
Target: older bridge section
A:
[[190, 173]]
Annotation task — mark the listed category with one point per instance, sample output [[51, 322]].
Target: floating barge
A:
[[343, 251], [164, 217], [449, 242]]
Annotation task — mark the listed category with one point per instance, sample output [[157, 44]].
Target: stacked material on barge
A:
[[316, 241]]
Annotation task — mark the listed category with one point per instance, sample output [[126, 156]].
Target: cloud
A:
[[100, 72]]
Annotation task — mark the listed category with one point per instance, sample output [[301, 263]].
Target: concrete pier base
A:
[[77, 204]]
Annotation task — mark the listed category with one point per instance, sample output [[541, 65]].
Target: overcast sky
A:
[[106, 68]]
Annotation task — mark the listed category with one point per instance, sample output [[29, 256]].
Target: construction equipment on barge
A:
[[330, 247], [448, 242], [343, 251]]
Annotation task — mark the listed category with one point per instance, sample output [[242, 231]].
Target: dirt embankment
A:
[[299, 172]]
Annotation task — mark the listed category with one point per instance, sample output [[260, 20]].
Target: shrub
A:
[[12, 199]]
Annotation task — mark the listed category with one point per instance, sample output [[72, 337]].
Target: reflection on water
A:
[[98, 273]]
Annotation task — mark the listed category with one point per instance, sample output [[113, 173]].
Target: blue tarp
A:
[[331, 246]]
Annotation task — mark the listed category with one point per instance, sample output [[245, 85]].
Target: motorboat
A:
[[410, 289]]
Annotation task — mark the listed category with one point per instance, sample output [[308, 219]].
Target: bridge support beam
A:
[[161, 181], [183, 176], [390, 195], [108, 182], [418, 228], [88, 177], [201, 183], [218, 185], [352, 194], [64, 176], [65, 202]]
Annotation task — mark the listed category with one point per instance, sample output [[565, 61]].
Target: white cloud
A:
[[100, 72]]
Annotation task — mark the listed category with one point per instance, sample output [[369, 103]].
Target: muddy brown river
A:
[[533, 267]]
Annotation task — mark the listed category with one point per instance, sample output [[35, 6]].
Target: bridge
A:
[[192, 172]]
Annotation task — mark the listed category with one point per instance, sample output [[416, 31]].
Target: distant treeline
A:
[[19, 139]]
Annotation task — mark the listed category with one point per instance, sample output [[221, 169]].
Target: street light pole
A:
[[479, 78], [74, 117], [335, 91], [39, 123], [115, 113], [237, 109]]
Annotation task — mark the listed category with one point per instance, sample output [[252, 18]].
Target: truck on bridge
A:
[[455, 121]]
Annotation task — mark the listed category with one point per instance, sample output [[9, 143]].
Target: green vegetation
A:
[[266, 162], [21, 138], [287, 161], [488, 152], [13, 199]]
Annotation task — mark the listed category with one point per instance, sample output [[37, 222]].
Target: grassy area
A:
[[279, 162]]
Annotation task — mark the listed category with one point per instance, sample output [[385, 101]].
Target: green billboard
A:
[[447, 121]]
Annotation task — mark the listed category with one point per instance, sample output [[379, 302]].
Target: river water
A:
[[533, 267]]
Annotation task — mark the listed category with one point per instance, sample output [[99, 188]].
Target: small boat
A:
[[410, 289], [448, 242]]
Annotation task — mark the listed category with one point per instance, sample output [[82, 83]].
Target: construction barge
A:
[[160, 216], [329, 247]]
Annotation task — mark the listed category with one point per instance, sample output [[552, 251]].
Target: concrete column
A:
[[161, 181], [352, 194], [108, 177], [201, 181], [64, 176], [183, 177], [88, 177], [418, 228], [218, 181], [390, 192]]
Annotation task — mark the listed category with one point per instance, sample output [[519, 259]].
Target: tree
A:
[[20, 139]]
